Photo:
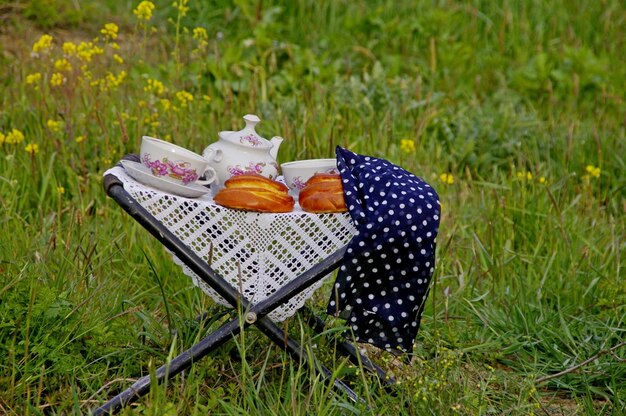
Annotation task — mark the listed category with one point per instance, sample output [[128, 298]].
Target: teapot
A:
[[244, 151]]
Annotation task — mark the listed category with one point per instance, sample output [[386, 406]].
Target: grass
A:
[[520, 104]]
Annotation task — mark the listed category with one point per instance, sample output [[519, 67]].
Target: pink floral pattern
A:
[[253, 140], [298, 183], [174, 169], [252, 168]]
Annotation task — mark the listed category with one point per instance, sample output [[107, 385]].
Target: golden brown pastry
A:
[[323, 193], [253, 192], [252, 180]]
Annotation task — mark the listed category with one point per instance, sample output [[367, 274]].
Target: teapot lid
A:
[[247, 136]]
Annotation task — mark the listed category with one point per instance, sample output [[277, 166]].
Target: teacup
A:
[[296, 173], [167, 160]]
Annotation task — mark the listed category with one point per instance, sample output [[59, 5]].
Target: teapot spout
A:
[[276, 141]]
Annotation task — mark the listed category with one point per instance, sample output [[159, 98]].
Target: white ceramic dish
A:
[[296, 173], [142, 174], [176, 163]]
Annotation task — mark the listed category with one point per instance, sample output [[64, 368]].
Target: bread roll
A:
[[254, 199], [253, 192], [253, 180], [323, 193], [323, 177]]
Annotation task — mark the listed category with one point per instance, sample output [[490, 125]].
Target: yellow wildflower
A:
[[166, 104], [447, 178], [593, 171], [57, 79], [54, 126], [14, 137], [110, 31], [524, 175], [154, 86], [144, 10], [62, 65], [87, 50], [543, 180], [43, 44], [114, 45], [33, 78], [407, 145], [199, 34], [79, 139], [60, 190], [118, 59], [113, 81], [184, 98], [206, 98], [182, 7], [32, 148], [69, 48]]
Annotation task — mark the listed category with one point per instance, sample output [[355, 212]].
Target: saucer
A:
[[142, 173]]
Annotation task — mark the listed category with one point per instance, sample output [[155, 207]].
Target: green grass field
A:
[[513, 110]]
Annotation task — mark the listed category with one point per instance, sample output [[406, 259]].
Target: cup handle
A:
[[211, 179]]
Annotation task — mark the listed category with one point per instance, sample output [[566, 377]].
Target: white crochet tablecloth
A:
[[256, 253]]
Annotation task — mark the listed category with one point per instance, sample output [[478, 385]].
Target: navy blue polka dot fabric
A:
[[383, 283]]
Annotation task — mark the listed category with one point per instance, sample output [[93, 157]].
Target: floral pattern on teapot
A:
[[253, 140], [252, 168]]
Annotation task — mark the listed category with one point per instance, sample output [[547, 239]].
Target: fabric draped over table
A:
[[384, 280]]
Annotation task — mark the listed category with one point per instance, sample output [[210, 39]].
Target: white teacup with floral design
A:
[[174, 163], [296, 173]]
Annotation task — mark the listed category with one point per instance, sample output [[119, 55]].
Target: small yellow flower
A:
[[447, 178], [199, 34], [407, 145], [206, 98], [60, 190], [166, 104], [43, 44], [57, 79], [87, 50], [593, 171], [79, 139], [144, 10], [62, 65], [32, 148], [154, 86], [524, 175], [543, 180], [14, 137], [33, 78], [118, 59], [110, 31], [181, 6], [54, 126], [69, 48], [184, 98]]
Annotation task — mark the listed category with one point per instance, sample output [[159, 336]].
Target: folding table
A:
[[266, 264]]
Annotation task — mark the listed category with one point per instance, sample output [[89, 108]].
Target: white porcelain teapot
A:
[[243, 151]]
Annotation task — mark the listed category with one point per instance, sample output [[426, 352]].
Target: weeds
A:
[[514, 111]]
